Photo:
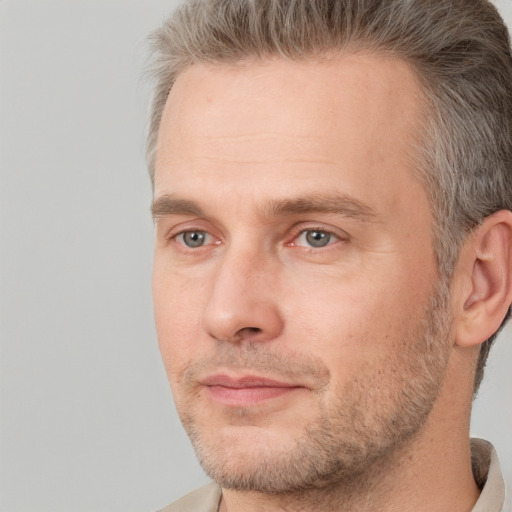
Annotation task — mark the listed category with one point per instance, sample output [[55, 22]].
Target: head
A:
[[460, 51], [454, 57]]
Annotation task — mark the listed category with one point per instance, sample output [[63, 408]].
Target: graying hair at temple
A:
[[459, 49]]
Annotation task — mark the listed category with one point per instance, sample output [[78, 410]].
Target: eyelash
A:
[[176, 237], [293, 243], [326, 235]]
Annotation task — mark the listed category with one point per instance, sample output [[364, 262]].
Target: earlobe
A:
[[484, 270]]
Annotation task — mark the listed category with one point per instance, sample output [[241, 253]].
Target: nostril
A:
[[248, 332], [252, 330]]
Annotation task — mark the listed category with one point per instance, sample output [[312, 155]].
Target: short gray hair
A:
[[459, 49]]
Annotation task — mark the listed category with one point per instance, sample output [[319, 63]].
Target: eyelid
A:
[[175, 234], [298, 231], [210, 239], [181, 237], [177, 228]]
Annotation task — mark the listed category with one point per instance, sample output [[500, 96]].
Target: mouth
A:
[[247, 390]]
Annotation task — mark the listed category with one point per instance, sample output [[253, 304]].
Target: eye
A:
[[315, 238], [193, 239]]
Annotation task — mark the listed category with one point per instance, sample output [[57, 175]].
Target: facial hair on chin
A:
[[369, 418]]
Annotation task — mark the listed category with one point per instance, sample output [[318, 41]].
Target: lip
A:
[[246, 390], [246, 381]]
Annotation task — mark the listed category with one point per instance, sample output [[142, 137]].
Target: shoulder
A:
[[204, 499]]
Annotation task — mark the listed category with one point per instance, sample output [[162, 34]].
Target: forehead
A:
[[355, 112], [377, 84]]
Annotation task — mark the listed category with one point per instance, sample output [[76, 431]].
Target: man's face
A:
[[295, 286]]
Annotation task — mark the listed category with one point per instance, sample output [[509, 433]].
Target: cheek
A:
[[358, 321], [338, 327], [177, 306]]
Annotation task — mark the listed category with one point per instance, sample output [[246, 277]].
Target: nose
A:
[[243, 302]]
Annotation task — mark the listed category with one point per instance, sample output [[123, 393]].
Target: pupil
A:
[[194, 238], [318, 238]]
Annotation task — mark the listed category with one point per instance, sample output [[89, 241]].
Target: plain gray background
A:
[[86, 417]]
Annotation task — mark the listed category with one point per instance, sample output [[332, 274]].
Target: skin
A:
[[263, 335]]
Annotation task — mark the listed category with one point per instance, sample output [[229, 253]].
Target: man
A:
[[332, 195]]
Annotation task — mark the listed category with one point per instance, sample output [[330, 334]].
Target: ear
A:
[[483, 280]]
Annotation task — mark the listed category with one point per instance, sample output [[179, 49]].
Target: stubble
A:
[[371, 418]]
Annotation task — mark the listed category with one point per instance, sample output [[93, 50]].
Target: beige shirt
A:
[[486, 469]]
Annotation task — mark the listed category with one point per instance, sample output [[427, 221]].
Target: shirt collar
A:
[[487, 473]]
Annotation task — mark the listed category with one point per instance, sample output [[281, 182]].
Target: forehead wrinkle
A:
[[256, 148], [253, 136], [263, 161]]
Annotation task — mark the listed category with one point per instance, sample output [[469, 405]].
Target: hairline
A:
[[416, 150], [436, 158]]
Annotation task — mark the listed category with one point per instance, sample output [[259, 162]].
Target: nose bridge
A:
[[241, 263], [241, 303]]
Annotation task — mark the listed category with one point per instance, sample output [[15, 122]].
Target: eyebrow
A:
[[170, 205], [338, 204]]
